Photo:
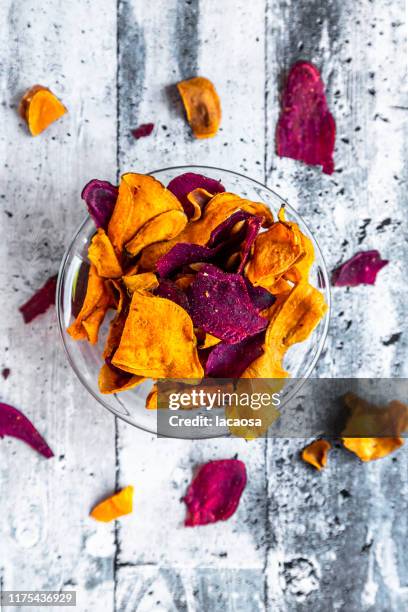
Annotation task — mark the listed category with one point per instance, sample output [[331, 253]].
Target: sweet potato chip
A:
[[100, 198], [165, 226], [383, 425], [158, 340], [275, 251], [136, 282], [306, 129], [40, 301], [193, 189], [14, 423], [209, 341], [140, 198], [115, 506], [102, 255], [215, 492], [316, 453], [112, 380], [39, 107], [368, 449], [198, 199], [361, 269], [117, 324], [202, 105], [219, 209], [151, 399], [292, 320], [97, 301]]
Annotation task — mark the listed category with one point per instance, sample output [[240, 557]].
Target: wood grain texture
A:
[[299, 540], [179, 40], [337, 537], [47, 540]]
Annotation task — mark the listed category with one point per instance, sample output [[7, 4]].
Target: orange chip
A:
[[198, 198], [275, 251], [184, 281], [115, 506], [151, 400], [140, 199], [158, 340], [163, 227], [219, 208], [136, 282], [368, 449], [97, 301], [366, 419], [110, 381], [202, 105], [39, 107], [316, 453], [102, 255], [209, 340], [291, 320]]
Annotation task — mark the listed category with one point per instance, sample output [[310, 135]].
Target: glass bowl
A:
[[86, 360]]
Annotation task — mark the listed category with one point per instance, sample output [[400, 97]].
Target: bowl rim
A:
[[325, 323]]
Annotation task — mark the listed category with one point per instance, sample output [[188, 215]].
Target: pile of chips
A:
[[204, 283]]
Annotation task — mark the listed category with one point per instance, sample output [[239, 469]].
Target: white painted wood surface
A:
[[299, 540]]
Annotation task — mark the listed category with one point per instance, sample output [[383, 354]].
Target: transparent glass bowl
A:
[[86, 360]]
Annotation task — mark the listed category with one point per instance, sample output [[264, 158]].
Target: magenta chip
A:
[[361, 269], [14, 423], [182, 254], [231, 360], [169, 290], [182, 185], [40, 301], [143, 130], [306, 129], [215, 492], [219, 303], [100, 198], [252, 227]]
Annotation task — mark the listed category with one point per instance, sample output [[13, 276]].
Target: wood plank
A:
[[148, 587], [47, 539], [161, 469], [337, 537]]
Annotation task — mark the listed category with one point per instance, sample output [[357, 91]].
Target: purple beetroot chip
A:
[[261, 298], [252, 227], [40, 301], [182, 254], [215, 492], [219, 303], [143, 130], [100, 198], [182, 185], [361, 269], [306, 129], [231, 360], [14, 423], [169, 290], [222, 232]]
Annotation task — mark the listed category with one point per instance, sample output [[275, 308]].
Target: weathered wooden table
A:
[[300, 540]]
